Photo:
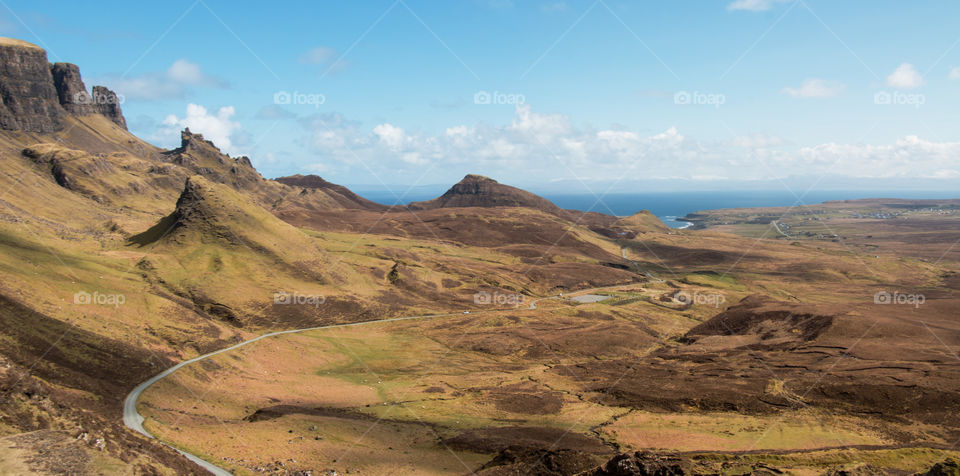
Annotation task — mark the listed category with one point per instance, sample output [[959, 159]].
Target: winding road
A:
[[623, 253], [133, 420]]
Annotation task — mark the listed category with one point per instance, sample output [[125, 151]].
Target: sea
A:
[[669, 206]]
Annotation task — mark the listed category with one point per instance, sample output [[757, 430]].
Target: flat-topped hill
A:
[[37, 95], [480, 191], [17, 43]]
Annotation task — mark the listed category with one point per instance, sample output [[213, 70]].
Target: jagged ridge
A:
[[210, 212]]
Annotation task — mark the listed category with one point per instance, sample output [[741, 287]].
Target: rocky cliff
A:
[[107, 103], [29, 98], [36, 96], [71, 92]]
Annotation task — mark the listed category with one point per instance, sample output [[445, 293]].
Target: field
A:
[[445, 395]]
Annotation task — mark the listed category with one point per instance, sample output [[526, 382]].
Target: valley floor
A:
[[451, 394]]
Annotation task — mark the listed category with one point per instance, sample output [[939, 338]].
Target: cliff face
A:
[[71, 91], [107, 103], [74, 98], [27, 92], [35, 96]]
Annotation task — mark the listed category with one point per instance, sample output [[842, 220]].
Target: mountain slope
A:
[[480, 191], [344, 198], [642, 222], [228, 255], [186, 245], [208, 212], [50, 118]]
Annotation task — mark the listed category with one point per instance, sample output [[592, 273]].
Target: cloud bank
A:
[[549, 146]]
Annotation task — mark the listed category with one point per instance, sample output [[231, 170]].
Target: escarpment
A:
[[36, 96]]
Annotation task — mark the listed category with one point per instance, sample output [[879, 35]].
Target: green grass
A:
[[713, 279]]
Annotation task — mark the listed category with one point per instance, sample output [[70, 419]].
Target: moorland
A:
[[486, 331]]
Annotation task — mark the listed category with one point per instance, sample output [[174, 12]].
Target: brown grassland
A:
[[808, 340]]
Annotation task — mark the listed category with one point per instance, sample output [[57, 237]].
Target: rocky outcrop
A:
[[107, 103], [480, 191], [71, 92], [950, 467], [28, 98], [292, 197], [194, 143], [74, 98], [201, 157], [554, 462], [35, 96], [644, 464]]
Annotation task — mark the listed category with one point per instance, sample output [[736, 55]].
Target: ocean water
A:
[[668, 206]]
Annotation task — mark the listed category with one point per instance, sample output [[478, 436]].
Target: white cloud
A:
[[753, 5], [815, 88], [540, 127], [955, 73], [390, 135], [905, 76], [457, 131], [169, 84], [532, 142], [218, 128], [910, 156], [618, 140], [413, 158], [547, 146], [330, 132], [185, 72]]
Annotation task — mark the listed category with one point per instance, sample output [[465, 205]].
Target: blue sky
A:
[[698, 94]]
